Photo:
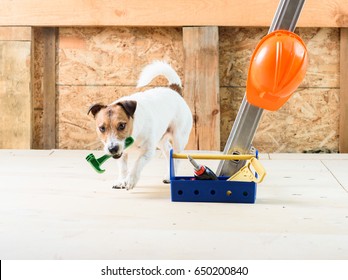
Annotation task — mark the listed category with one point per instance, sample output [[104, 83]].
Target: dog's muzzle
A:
[[114, 151]]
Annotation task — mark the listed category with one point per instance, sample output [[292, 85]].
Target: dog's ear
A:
[[128, 106], [94, 109]]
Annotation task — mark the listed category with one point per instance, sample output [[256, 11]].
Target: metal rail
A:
[[248, 117]]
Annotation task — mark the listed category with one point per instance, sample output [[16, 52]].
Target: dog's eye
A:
[[102, 129], [121, 126]]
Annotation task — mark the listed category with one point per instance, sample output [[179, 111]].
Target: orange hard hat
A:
[[278, 66]]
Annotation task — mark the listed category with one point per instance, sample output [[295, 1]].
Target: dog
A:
[[155, 118]]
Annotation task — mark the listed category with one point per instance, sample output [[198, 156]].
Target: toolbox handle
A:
[[213, 156]]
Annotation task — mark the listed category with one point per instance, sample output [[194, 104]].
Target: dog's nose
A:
[[114, 149]]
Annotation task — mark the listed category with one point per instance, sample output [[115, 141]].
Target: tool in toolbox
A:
[[202, 172], [277, 67], [247, 174]]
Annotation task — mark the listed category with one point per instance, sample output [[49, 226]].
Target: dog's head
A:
[[114, 124]]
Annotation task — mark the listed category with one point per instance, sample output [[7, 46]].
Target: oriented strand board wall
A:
[[102, 64]]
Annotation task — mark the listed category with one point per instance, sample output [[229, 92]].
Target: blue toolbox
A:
[[240, 188]]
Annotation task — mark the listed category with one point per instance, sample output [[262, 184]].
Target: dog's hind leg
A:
[[179, 139], [165, 146]]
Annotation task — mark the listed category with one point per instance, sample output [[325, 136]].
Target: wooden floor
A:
[[54, 206]]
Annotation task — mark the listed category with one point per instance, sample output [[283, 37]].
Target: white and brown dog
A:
[[158, 117]]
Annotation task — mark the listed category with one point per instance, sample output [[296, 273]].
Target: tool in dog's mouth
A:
[[129, 141], [96, 163]]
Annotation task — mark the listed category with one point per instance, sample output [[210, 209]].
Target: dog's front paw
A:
[[127, 184], [120, 184]]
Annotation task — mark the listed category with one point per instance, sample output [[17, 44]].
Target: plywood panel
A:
[[323, 46], [307, 122], [15, 98], [165, 13], [230, 101], [115, 56], [201, 88], [238, 44]]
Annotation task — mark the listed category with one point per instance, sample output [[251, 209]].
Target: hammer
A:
[[97, 162]]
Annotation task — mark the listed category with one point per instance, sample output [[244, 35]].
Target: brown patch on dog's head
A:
[[128, 106], [114, 120], [114, 123], [94, 109]]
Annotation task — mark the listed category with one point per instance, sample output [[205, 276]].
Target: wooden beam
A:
[[164, 13], [15, 94], [15, 34], [49, 88], [201, 87], [343, 129]]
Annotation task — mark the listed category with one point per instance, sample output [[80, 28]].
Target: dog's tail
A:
[[158, 68]]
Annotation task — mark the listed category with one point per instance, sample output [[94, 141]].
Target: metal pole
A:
[[248, 117]]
